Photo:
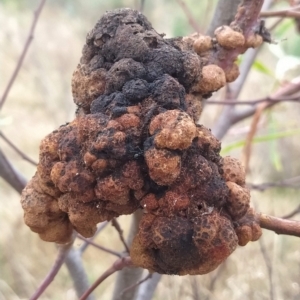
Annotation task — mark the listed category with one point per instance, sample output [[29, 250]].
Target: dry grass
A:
[[41, 100]]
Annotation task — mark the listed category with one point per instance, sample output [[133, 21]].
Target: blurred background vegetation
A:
[[41, 100]]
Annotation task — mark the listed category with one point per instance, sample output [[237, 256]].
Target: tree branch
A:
[[23, 54], [63, 251], [286, 13], [279, 225], [117, 266], [116, 224], [128, 277], [21, 153], [76, 270], [293, 182], [100, 247], [146, 291], [223, 15], [10, 175], [292, 213]]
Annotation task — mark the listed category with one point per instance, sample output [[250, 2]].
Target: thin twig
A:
[[189, 15], [84, 246], [23, 54], [63, 251], [279, 225], [21, 153], [295, 98], [10, 175], [146, 291], [269, 267], [293, 182], [135, 285], [100, 247], [128, 277], [250, 136], [118, 265], [286, 13], [292, 213], [116, 224], [77, 272]]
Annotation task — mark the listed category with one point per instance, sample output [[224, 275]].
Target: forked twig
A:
[[136, 284], [117, 266]]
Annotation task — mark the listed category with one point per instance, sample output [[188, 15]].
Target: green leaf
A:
[[260, 67], [259, 139]]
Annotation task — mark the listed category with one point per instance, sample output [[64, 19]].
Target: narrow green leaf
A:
[[259, 139]]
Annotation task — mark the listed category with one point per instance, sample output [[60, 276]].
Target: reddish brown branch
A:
[[117, 266], [63, 251], [279, 225], [10, 175], [23, 54]]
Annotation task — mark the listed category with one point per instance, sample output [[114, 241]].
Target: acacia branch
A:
[[279, 225], [84, 246], [223, 15], [286, 13], [117, 266], [63, 251], [292, 213], [116, 224], [77, 272], [136, 284], [293, 182], [295, 98], [10, 174], [128, 277], [21, 153], [146, 291], [23, 54]]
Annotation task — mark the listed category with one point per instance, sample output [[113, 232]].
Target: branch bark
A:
[[223, 15], [10, 174], [63, 251], [279, 225], [76, 270], [128, 277]]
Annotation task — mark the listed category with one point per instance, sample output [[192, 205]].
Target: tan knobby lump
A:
[[229, 38]]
